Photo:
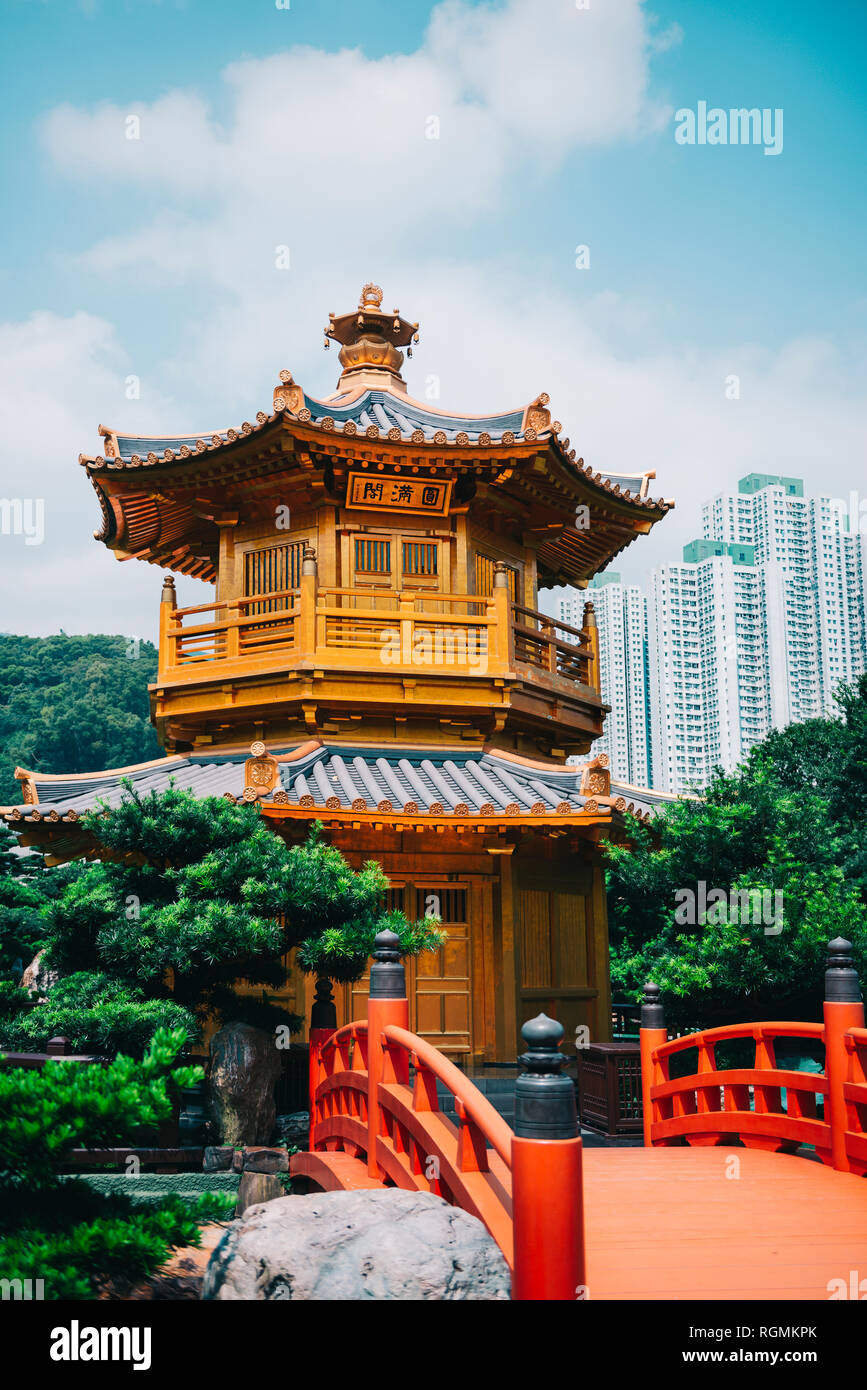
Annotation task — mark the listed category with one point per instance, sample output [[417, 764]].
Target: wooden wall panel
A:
[[562, 951], [533, 912], [571, 939]]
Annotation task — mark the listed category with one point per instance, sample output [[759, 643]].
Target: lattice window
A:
[[485, 578], [393, 899], [270, 570], [420, 558], [372, 556]]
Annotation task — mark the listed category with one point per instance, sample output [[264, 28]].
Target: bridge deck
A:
[[669, 1224]]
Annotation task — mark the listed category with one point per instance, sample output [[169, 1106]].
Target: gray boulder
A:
[[384, 1244], [245, 1066]]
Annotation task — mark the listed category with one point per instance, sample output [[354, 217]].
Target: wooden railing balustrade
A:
[[537, 642], [337, 627]]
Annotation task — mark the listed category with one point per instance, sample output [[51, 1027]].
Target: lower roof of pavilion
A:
[[474, 790]]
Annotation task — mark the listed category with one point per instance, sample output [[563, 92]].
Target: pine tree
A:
[[191, 896]]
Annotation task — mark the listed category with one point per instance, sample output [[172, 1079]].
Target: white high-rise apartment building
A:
[[705, 661], [621, 618], [754, 630], [813, 569]]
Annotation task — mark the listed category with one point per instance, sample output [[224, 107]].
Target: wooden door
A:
[[438, 983], [441, 986]]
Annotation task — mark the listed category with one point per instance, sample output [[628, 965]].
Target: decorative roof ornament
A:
[[370, 340]]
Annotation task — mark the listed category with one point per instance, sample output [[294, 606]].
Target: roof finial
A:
[[370, 340], [371, 296]]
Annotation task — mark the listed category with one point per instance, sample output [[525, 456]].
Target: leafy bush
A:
[[95, 1013], [790, 820], [59, 1229], [205, 895], [213, 897], [26, 887]]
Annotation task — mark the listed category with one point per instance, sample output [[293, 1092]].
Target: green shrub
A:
[[93, 1012], [59, 1229]]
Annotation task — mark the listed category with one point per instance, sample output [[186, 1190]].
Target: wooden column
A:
[[598, 958], [227, 586], [591, 637], [327, 546], [506, 966]]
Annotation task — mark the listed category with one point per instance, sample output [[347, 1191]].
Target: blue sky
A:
[[156, 257]]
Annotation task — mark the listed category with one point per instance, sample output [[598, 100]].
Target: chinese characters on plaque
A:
[[387, 494]]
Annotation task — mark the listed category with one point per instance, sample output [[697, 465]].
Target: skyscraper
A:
[[621, 617], [706, 663], [754, 629], [813, 569]]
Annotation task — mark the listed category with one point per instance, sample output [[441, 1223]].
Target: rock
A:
[[256, 1188], [384, 1244], [216, 1159], [293, 1130], [259, 1159], [245, 1065], [37, 978]]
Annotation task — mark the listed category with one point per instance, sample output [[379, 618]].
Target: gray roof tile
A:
[[451, 777]]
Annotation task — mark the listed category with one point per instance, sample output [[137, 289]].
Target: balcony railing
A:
[[364, 629], [538, 643]]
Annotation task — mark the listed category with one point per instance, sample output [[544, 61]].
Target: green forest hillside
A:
[[73, 704]]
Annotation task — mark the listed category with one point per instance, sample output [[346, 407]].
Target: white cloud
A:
[[327, 149], [326, 152], [59, 376]]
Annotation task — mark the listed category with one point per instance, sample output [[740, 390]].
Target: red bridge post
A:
[[844, 1009], [387, 1004], [547, 1192], [653, 1034]]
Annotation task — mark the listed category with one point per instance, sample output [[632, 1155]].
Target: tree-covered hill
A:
[[73, 704]]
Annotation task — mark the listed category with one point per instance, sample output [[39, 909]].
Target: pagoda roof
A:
[[478, 788], [164, 497], [150, 488], [374, 414], [365, 409]]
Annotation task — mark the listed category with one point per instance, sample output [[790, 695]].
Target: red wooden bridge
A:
[[721, 1203]]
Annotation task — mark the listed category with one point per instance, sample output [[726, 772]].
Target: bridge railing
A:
[[764, 1105], [376, 1121], [855, 1100]]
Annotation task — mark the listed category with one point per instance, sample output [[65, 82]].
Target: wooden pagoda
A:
[[374, 657]]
